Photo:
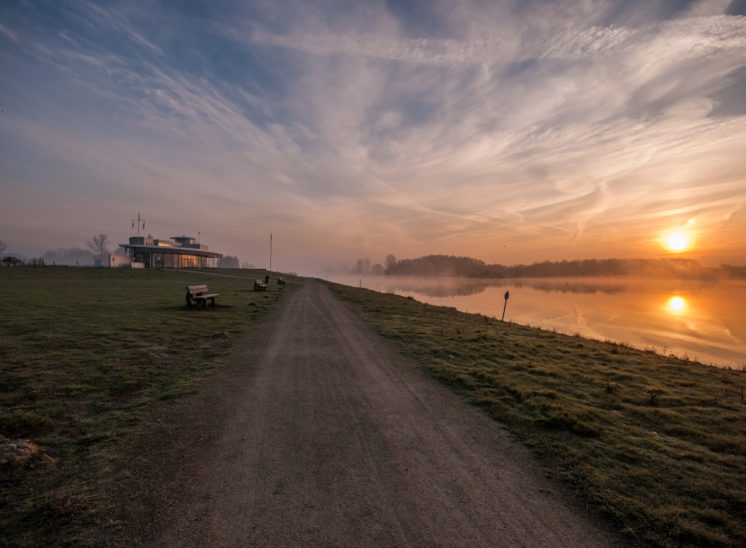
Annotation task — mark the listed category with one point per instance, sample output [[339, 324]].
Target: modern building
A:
[[178, 252]]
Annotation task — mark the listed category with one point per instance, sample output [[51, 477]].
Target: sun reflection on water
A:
[[699, 319]]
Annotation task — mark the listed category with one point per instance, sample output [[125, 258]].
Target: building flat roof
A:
[[173, 250]]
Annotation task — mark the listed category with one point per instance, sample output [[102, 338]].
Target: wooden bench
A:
[[199, 294], [259, 285]]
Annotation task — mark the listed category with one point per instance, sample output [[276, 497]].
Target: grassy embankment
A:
[[84, 355], [655, 443]]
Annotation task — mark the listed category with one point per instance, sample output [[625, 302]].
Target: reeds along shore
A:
[[654, 443]]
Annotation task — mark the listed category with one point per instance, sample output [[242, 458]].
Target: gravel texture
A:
[[320, 433]]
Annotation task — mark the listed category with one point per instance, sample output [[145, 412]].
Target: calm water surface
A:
[[701, 320]]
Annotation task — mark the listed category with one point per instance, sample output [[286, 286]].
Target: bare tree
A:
[[98, 245], [3, 247]]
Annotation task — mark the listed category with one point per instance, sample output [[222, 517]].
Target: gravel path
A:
[[319, 433]]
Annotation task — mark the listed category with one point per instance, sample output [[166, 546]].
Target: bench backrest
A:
[[196, 289]]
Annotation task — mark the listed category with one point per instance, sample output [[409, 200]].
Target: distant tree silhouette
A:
[[11, 261], [390, 262], [437, 265], [731, 271], [71, 256], [229, 261], [362, 266], [98, 245], [444, 265], [3, 247]]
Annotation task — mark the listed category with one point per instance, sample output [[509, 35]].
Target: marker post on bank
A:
[[507, 296]]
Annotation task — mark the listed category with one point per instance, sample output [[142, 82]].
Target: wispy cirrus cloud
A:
[[546, 126], [8, 33]]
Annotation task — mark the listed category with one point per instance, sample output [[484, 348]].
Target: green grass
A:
[[84, 355], [656, 444]]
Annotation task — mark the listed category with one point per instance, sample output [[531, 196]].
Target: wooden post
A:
[[507, 296]]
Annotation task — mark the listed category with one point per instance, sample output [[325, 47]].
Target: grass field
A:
[[656, 444], [85, 354]]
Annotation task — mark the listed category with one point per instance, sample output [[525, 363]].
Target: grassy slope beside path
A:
[[84, 354], [655, 443]]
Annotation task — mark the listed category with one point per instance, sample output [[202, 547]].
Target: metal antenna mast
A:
[[139, 222]]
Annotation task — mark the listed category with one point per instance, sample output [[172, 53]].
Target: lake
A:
[[698, 320]]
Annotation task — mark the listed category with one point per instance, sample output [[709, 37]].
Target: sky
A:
[[509, 131]]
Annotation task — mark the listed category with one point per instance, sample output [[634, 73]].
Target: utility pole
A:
[[270, 252]]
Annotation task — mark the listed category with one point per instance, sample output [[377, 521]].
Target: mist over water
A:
[[699, 320]]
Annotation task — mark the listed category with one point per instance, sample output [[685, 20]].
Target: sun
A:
[[677, 242], [677, 304]]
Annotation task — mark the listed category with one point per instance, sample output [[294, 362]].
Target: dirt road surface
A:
[[320, 433]]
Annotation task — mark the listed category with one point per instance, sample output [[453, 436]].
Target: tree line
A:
[[467, 267]]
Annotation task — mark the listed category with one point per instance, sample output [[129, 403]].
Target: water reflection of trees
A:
[[453, 288], [462, 287], [573, 287]]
